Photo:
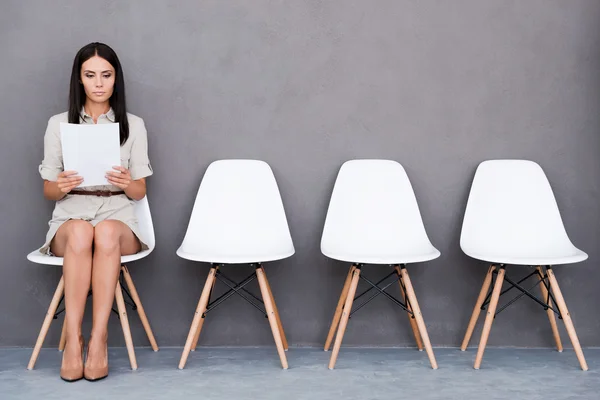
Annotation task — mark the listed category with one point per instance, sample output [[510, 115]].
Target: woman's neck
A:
[[95, 110]]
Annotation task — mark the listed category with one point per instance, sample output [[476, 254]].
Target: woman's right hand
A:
[[68, 180]]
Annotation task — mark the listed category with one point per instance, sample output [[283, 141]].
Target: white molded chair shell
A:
[[512, 217], [238, 216], [142, 211], [373, 216]]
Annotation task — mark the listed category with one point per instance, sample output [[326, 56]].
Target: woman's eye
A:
[[106, 76], [89, 76]]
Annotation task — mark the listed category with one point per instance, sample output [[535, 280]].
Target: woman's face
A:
[[98, 78]]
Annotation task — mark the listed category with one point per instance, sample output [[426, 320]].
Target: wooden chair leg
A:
[[197, 337], [262, 282], [489, 318], [63, 336], [281, 332], [338, 308], [411, 318], [344, 317], [477, 309], [562, 306], [550, 313], [125, 326], [410, 292], [140, 308], [197, 316], [47, 321]]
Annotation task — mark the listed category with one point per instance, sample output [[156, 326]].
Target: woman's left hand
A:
[[121, 179]]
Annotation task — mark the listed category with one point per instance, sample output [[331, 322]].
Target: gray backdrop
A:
[[306, 85]]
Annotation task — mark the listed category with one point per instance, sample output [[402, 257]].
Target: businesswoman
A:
[[92, 227]]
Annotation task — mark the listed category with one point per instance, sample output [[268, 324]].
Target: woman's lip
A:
[[99, 93]]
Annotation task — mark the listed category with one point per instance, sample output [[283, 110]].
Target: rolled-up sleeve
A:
[[139, 164], [52, 164]]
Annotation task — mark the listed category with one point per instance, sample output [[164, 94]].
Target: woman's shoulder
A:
[[136, 124], [55, 121], [134, 119], [62, 117]]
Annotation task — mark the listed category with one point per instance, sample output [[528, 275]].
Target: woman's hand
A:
[[121, 179], [68, 180]]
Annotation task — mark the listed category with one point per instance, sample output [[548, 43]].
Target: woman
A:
[[92, 227]]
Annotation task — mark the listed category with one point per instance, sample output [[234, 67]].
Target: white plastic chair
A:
[[142, 210], [237, 218], [512, 218], [373, 218]]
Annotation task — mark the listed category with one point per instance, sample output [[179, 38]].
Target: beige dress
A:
[[134, 156]]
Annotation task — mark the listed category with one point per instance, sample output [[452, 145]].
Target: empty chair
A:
[[144, 217], [237, 219], [512, 219], [373, 218]]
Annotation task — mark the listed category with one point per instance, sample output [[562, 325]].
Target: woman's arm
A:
[[66, 181], [52, 192], [133, 180], [121, 178]]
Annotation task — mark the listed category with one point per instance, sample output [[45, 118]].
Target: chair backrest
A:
[[512, 211], [142, 212], [238, 215], [373, 212]]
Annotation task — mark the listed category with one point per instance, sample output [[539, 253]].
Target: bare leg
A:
[[111, 240], [73, 241]]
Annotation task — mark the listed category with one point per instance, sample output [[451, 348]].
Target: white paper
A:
[[91, 150]]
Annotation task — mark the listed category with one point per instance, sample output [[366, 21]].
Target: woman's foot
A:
[[71, 369], [96, 363]]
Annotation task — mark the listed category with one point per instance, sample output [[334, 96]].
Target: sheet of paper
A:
[[91, 150]]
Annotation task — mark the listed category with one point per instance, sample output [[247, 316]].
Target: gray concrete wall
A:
[[305, 85]]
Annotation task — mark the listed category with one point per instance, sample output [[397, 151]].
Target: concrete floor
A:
[[255, 373]]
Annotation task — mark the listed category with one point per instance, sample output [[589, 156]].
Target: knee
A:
[[107, 237], [81, 236]]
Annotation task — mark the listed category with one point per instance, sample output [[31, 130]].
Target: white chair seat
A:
[[39, 258], [420, 255], [576, 257], [219, 258], [373, 216], [238, 216], [512, 217]]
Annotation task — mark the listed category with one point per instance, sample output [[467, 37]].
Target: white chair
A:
[[512, 218], [373, 218], [237, 218], [142, 211]]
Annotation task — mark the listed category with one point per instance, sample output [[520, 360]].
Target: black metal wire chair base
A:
[[543, 279], [381, 290], [236, 288]]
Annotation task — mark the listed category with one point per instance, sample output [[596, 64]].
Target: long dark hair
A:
[[77, 95]]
